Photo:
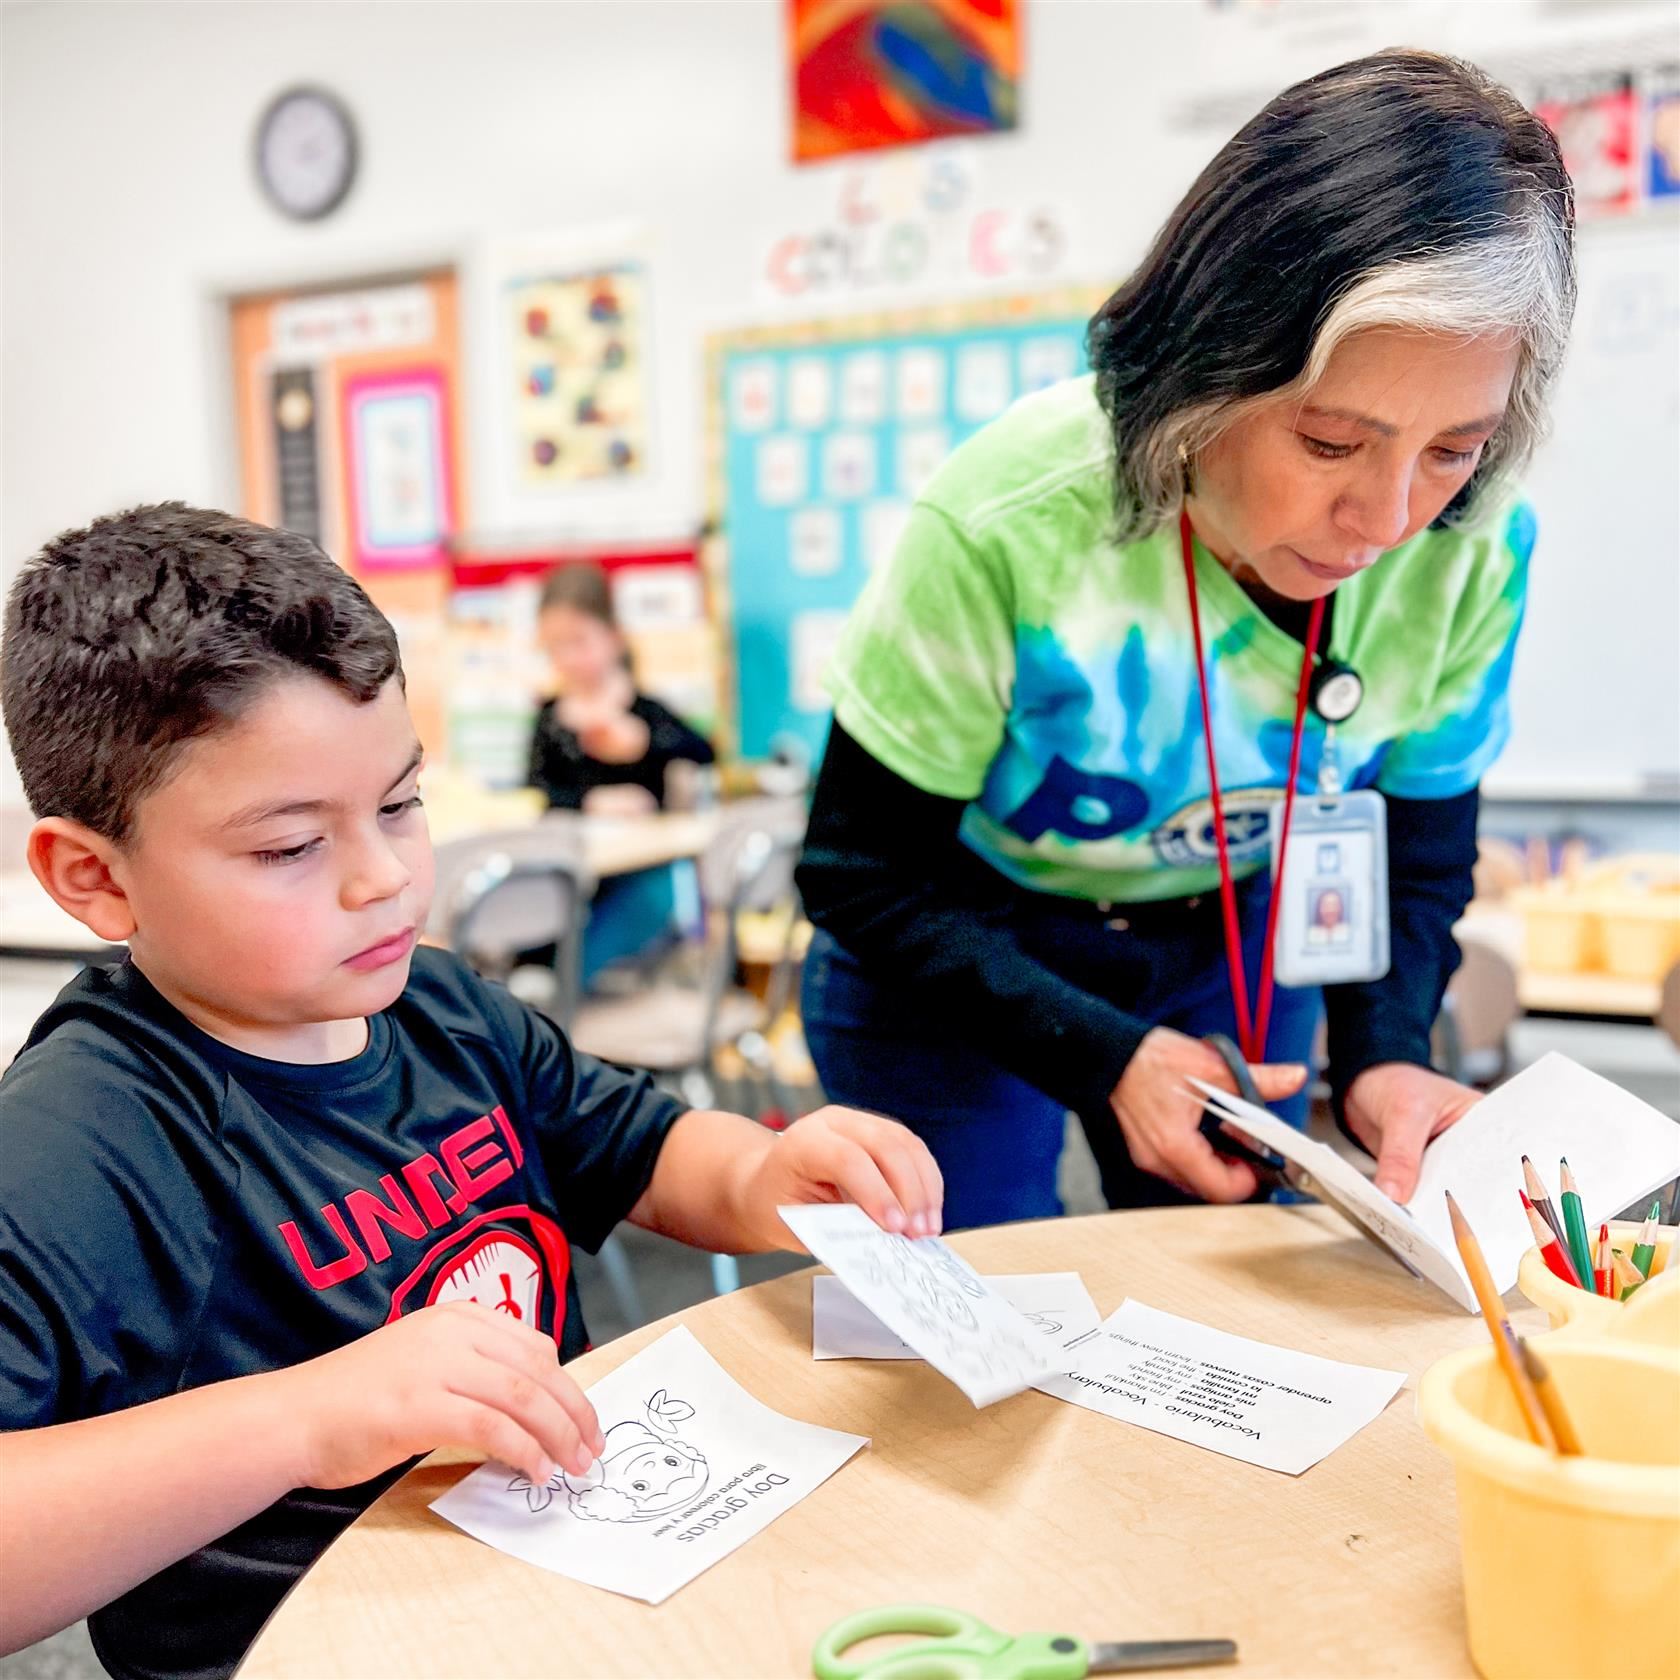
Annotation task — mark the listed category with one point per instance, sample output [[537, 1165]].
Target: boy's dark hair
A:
[[156, 626]]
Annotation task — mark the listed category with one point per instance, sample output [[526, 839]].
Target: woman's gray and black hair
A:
[[1404, 190]]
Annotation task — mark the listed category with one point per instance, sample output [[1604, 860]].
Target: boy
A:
[[234, 1167]]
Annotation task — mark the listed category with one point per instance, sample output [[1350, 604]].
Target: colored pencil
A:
[[1645, 1249], [1626, 1276], [1551, 1402], [1504, 1343], [1542, 1201], [1575, 1228], [1552, 1251], [1601, 1261]]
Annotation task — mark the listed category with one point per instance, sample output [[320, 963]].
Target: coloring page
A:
[[694, 1467], [842, 1327], [931, 1298]]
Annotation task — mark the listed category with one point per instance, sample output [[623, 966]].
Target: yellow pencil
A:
[[1504, 1341], [1627, 1276], [1551, 1402]]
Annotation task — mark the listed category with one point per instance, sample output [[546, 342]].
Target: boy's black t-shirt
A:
[[174, 1212]]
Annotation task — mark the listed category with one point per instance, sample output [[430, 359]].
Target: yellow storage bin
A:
[[1571, 1565], [1560, 931], [1565, 1304], [1639, 933]]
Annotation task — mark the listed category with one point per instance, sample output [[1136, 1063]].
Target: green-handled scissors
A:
[[956, 1646]]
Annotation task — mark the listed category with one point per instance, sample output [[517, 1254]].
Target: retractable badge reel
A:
[[1332, 925]]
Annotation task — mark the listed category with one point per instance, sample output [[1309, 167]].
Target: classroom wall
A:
[[129, 204]]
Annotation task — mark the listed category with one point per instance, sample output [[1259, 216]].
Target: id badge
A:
[[1332, 925]]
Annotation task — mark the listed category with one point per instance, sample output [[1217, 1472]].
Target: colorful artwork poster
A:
[[396, 430], [1594, 118], [1662, 154], [579, 367], [872, 73]]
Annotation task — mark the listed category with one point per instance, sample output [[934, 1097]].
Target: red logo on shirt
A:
[[513, 1259]]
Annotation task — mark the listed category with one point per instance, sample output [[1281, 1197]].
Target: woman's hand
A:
[[1394, 1109], [1160, 1112]]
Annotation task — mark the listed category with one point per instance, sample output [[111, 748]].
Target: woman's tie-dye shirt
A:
[[1013, 655]]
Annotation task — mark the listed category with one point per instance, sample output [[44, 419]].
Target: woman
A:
[[1305, 413], [605, 748]]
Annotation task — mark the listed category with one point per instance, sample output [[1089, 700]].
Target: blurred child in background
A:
[[602, 747]]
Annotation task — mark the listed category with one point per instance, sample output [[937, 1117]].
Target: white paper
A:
[[883, 525], [1047, 361], [1250, 1400], [752, 395], [1057, 1303], [815, 544], [1347, 1189], [783, 470], [810, 392], [849, 466], [928, 1295], [921, 384], [813, 637], [921, 453], [982, 381], [694, 1467], [863, 388], [1620, 1148]]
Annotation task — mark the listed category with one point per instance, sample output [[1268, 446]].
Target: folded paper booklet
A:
[[1056, 1303], [930, 1298], [1620, 1148]]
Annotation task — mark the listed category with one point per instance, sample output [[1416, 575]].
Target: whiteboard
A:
[[1596, 690]]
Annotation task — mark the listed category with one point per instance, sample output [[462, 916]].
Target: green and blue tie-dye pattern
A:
[[1013, 656]]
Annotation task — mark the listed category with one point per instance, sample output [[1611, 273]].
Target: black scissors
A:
[[1273, 1171]]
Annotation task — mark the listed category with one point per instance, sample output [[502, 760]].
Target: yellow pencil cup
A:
[[1564, 1304], [1571, 1565]]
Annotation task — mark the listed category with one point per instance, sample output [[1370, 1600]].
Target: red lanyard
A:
[[1251, 1034]]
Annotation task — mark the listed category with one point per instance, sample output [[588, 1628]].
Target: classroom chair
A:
[[675, 1028], [1668, 1004], [1472, 1032], [500, 894]]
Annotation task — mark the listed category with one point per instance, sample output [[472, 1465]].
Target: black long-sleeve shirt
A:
[[564, 772], [886, 874]]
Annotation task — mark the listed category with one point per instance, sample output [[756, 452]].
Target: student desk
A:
[[615, 845], [1032, 1514]]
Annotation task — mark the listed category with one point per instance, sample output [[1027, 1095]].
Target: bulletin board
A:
[[349, 432], [819, 438]]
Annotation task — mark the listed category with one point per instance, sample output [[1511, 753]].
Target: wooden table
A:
[[1032, 1513]]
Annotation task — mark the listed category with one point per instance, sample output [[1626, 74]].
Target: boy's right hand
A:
[[450, 1375]]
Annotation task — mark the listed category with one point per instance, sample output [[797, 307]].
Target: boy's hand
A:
[[844, 1155], [451, 1375]]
